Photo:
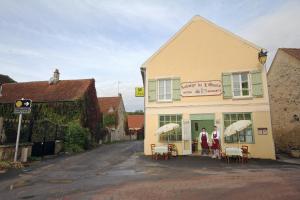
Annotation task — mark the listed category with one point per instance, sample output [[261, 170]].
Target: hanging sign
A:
[[201, 88], [139, 91]]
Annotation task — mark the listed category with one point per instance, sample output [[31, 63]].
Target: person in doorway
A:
[[203, 138], [215, 137]]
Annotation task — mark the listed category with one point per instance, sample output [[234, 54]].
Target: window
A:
[[241, 85], [171, 136], [245, 136], [164, 90]]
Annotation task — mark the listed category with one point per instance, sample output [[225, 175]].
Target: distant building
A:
[[55, 104], [113, 116], [284, 91], [136, 126]]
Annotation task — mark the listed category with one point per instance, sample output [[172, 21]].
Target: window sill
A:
[[164, 101], [242, 98]]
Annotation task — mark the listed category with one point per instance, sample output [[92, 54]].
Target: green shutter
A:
[[226, 82], [176, 89], [151, 90], [257, 84]]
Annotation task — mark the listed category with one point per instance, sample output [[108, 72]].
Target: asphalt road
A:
[[120, 171]]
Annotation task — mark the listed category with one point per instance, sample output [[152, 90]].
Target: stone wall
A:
[[284, 93]]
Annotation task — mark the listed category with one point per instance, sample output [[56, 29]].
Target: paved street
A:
[[120, 171]]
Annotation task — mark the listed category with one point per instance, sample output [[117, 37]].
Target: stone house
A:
[[114, 118], [136, 126], [55, 103], [284, 91]]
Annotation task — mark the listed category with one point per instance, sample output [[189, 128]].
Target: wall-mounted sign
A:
[[201, 88], [139, 92], [262, 131]]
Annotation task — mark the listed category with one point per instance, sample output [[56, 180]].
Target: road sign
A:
[[139, 92], [23, 106]]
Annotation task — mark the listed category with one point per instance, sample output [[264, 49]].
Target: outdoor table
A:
[[161, 150], [233, 152]]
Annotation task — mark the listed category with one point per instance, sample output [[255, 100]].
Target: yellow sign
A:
[[139, 92], [19, 104]]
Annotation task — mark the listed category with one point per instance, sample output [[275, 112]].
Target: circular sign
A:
[[18, 104]]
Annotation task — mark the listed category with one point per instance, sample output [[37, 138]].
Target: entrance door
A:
[[186, 138], [208, 125]]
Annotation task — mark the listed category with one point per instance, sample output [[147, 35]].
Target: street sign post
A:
[[22, 106]]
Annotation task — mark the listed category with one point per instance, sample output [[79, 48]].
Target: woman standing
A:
[[215, 136], [203, 138]]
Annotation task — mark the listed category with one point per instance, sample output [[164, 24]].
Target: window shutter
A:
[[226, 82], [176, 89], [257, 84], [151, 90]]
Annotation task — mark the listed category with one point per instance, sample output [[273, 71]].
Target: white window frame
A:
[[171, 88], [241, 89]]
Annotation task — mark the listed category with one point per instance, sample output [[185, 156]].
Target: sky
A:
[[109, 40]]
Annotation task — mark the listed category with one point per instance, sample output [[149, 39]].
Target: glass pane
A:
[[161, 118], [196, 126], [237, 93], [168, 96], [167, 118], [179, 117], [245, 85], [226, 117], [247, 116], [236, 78], [240, 116], [233, 117], [245, 92], [161, 124], [173, 118], [226, 123], [244, 77], [249, 139], [234, 138]]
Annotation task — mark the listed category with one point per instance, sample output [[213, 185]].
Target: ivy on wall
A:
[[46, 122]]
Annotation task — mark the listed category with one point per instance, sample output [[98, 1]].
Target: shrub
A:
[[5, 165], [77, 138]]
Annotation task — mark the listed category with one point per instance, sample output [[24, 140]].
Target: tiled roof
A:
[[5, 79], [108, 104], [135, 121], [42, 91], [292, 51]]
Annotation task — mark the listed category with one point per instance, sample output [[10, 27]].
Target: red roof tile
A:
[[292, 51], [135, 121], [42, 91], [106, 103]]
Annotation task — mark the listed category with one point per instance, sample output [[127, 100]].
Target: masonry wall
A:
[[284, 92]]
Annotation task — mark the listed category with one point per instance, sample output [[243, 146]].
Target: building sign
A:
[[139, 91], [262, 131], [22, 106], [201, 88]]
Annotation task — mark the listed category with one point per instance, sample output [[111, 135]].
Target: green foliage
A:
[[77, 138], [137, 112], [109, 120], [5, 165]]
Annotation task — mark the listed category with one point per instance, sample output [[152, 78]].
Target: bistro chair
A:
[[245, 153], [172, 150], [153, 154]]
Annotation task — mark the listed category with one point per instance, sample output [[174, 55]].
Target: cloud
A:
[[109, 40], [280, 28]]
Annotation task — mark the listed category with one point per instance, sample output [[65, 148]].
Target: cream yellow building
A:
[[205, 76]]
